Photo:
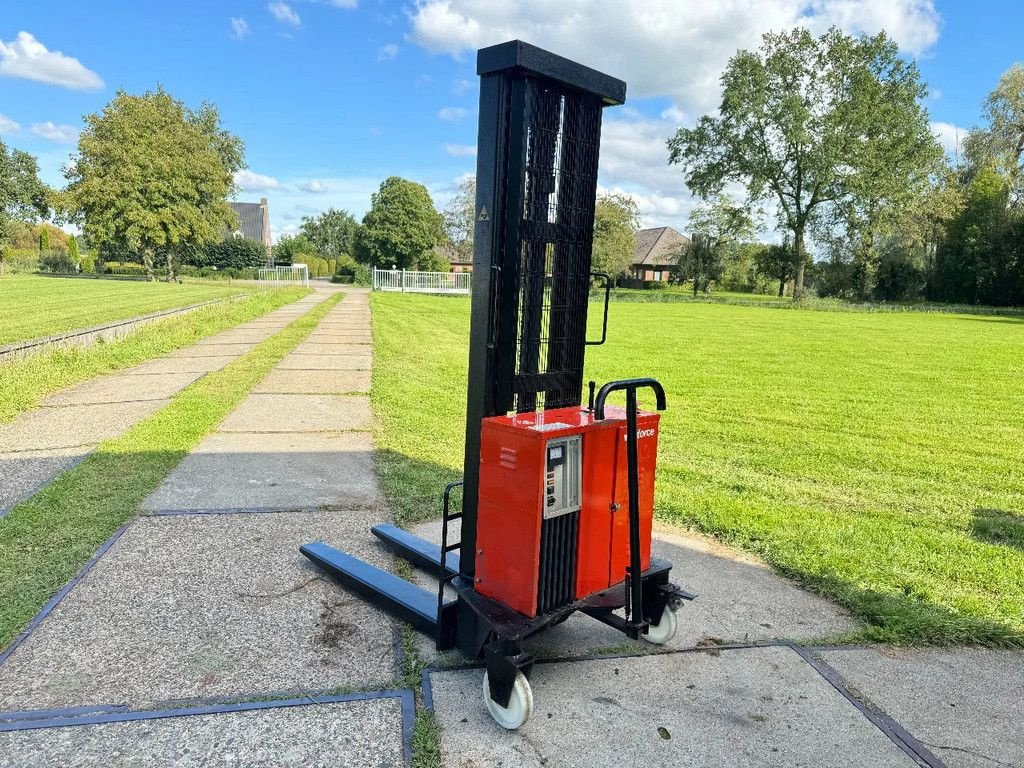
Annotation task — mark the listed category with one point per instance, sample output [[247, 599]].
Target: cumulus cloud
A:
[[313, 186], [61, 134], [950, 136], [239, 28], [387, 52], [673, 48], [8, 126], [284, 13], [343, 3], [27, 58], [248, 181], [451, 114], [460, 150], [461, 86]]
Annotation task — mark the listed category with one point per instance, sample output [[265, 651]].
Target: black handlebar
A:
[[627, 384]]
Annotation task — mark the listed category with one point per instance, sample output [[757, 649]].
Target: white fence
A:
[[406, 281], [274, 276]]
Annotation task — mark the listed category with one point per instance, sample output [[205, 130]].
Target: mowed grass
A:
[[32, 307], [24, 382], [877, 458], [45, 540]]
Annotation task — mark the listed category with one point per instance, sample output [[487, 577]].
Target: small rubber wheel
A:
[[664, 630], [520, 703]]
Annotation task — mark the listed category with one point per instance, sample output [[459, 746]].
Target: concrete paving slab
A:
[[23, 474], [295, 362], [184, 364], [319, 348], [748, 708], [965, 705], [354, 733], [343, 337], [740, 600], [314, 383], [185, 607], [299, 413], [243, 336], [123, 388], [215, 350], [73, 425], [241, 470]]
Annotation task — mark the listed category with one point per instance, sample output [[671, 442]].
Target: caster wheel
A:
[[520, 704], [664, 630]]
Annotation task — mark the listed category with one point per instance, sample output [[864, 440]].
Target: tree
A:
[[779, 262], [616, 219], [44, 241], [718, 227], [332, 232], [289, 248], [23, 197], [73, 249], [402, 226], [1000, 145], [807, 122], [460, 219], [152, 176]]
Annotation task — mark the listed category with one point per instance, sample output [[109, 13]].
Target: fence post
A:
[[403, 281]]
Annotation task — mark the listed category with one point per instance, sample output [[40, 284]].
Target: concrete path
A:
[[40, 444]]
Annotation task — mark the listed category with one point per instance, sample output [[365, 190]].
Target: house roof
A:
[[250, 220], [656, 247]]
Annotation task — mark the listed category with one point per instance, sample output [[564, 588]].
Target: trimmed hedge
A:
[[234, 253]]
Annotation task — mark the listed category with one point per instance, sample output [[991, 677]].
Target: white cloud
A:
[[460, 150], [674, 48], [313, 186], [61, 134], [248, 181], [27, 58], [461, 86], [343, 3], [8, 126], [387, 52], [451, 114], [950, 136], [284, 13], [239, 28]]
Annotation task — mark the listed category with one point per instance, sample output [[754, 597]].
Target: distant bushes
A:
[[58, 263], [233, 253]]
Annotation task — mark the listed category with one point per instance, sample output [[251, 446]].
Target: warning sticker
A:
[[551, 426]]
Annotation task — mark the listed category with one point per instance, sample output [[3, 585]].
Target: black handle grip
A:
[[625, 384], [607, 298]]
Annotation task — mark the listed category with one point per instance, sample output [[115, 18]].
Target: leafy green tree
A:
[[152, 176], [616, 220], [402, 226], [23, 197], [806, 122], [289, 248], [44, 241], [332, 232], [778, 261], [73, 249], [1000, 144], [718, 227], [460, 219]]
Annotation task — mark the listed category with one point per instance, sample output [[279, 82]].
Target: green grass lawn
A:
[[32, 306], [26, 381], [45, 540], [876, 457]]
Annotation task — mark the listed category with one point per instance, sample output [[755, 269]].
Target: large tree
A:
[[717, 227], [152, 176], [616, 219], [460, 219], [23, 197], [807, 122], [402, 226], [332, 233], [1000, 143]]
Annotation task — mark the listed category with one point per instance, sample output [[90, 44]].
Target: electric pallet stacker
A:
[[557, 498]]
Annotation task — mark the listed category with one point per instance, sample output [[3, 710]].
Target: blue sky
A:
[[331, 96]]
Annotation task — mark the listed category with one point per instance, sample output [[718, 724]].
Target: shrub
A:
[[73, 248], [323, 269], [332, 267], [87, 263], [16, 260], [346, 279], [125, 268], [58, 263], [361, 275], [234, 253]]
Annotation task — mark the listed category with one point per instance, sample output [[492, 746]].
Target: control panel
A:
[[562, 476]]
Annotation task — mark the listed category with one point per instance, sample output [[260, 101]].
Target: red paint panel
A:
[[647, 454]]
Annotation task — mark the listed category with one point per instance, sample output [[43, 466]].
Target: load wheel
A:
[[664, 630], [520, 703]]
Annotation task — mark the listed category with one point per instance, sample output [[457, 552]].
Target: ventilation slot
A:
[[558, 544]]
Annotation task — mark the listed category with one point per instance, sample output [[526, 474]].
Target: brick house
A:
[[656, 253], [253, 222]]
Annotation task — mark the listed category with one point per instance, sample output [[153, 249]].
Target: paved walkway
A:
[[206, 599], [41, 443]]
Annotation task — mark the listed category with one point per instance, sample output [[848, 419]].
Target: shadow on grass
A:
[[414, 489], [995, 526]]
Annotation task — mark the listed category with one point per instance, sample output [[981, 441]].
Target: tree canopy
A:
[[152, 175], [332, 232], [460, 219], [616, 220], [23, 197], [402, 226], [716, 228], [808, 122]]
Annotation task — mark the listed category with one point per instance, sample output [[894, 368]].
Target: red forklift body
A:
[[553, 520]]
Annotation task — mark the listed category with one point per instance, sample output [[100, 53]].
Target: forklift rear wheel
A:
[[664, 630], [520, 703]]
